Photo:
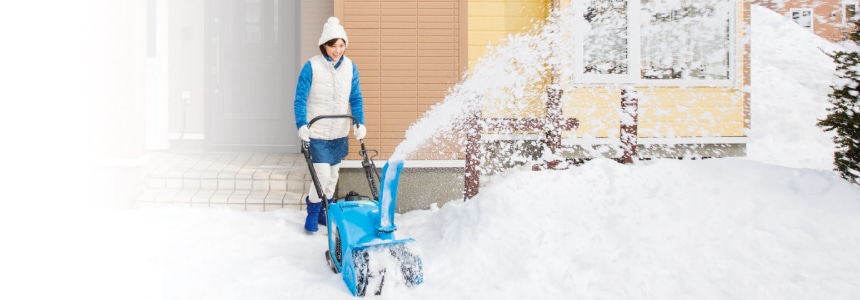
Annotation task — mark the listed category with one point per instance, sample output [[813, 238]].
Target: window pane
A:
[[803, 17], [686, 39], [850, 11], [605, 45]]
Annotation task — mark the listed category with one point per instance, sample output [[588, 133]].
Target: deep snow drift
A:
[[778, 224]]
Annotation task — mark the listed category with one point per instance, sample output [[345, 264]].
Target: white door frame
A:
[[157, 79]]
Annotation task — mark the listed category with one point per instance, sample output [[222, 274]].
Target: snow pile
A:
[[721, 229], [791, 76]]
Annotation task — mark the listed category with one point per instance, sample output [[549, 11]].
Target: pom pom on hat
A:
[[333, 30]]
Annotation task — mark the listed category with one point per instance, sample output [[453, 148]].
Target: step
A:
[[244, 181]]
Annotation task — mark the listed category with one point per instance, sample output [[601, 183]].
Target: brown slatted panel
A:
[[408, 54]]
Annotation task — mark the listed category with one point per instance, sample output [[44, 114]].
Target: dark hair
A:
[[330, 43]]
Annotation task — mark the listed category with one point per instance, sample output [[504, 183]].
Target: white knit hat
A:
[[332, 30]]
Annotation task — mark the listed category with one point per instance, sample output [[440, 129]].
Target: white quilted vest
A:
[[329, 95]]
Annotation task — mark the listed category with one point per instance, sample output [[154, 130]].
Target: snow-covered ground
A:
[[778, 224]]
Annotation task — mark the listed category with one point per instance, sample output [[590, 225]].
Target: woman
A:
[[328, 85]]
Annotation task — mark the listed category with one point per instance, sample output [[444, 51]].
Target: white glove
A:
[[360, 131], [305, 133]]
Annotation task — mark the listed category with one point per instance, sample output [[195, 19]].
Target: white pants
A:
[[327, 174]]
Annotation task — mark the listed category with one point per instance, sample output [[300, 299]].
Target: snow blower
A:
[[361, 241]]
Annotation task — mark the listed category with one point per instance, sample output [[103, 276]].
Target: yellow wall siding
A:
[[492, 20], [595, 107], [528, 105], [663, 111], [743, 56], [690, 112]]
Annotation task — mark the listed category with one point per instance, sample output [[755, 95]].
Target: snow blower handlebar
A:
[[316, 181], [370, 169], [317, 118], [307, 153], [367, 161]]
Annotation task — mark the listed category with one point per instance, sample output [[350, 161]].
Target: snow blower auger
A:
[[361, 229]]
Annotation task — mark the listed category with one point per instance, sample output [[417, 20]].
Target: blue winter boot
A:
[[313, 215], [322, 219]]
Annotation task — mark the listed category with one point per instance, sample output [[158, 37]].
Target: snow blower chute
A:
[[361, 240]]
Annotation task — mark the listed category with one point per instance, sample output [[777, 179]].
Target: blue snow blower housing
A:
[[361, 240]]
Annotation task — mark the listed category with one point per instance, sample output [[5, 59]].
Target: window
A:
[[686, 40], [850, 12], [802, 16], [606, 50], [665, 42]]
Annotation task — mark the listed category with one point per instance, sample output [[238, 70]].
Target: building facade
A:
[[222, 73], [829, 19]]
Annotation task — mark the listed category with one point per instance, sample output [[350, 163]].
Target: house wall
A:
[[186, 94], [187, 42], [669, 111], [490, 21], [386, 41], [314, 14], [118, 72], [408, 54], [829, 16], [664, 111]]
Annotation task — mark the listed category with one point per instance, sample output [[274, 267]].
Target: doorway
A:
[[251, 68]]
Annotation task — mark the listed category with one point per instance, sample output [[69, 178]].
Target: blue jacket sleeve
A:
[[303, 88], [356, 101]]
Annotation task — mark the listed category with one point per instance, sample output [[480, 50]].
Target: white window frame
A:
[[633, 75], [633, 51], [801, 11]]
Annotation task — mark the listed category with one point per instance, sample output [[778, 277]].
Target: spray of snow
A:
[[501, 81], [506, 81]]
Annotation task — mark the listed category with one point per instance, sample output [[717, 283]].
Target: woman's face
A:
[[335, 51]]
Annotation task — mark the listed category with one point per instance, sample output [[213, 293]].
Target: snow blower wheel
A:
[[338, 251]]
